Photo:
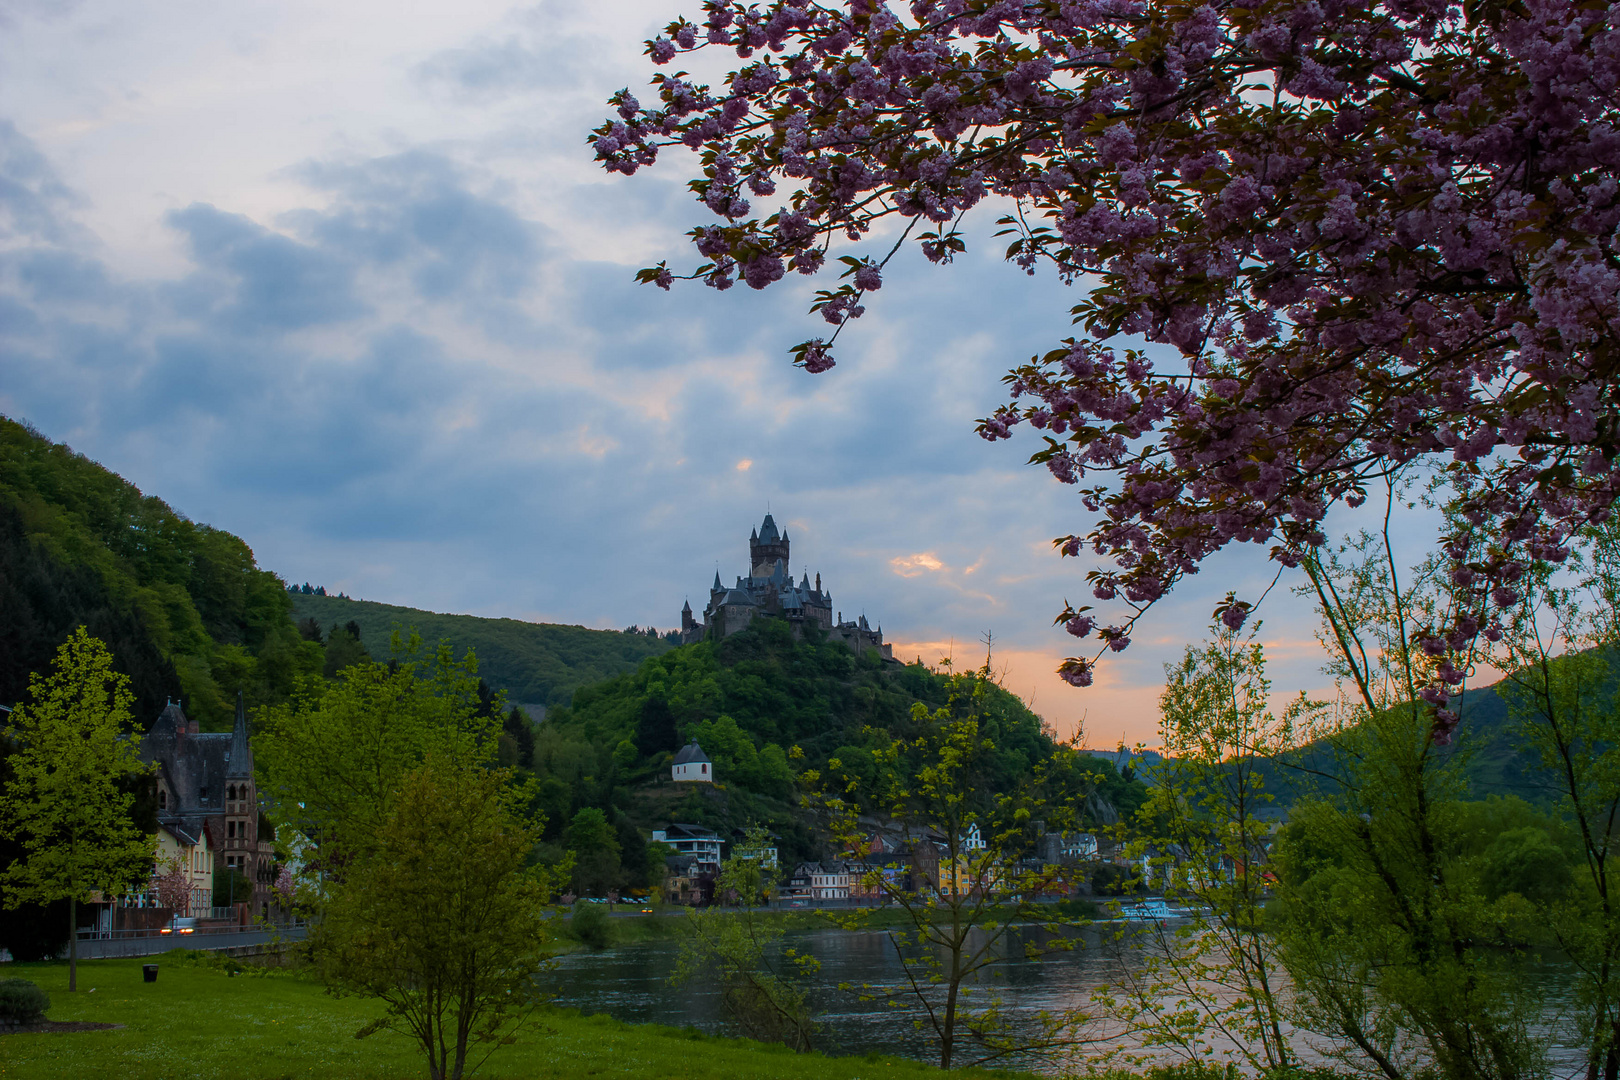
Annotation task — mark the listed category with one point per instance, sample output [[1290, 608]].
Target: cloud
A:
[[912, 565], [251, 279], [34, 201], [393, 340]]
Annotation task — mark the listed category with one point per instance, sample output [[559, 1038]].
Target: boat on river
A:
[[1156, 909]]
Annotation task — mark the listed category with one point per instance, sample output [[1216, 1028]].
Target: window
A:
[[705, 768], [163, 799]]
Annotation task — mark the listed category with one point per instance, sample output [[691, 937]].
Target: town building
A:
[[702, 844], [769, 592], [692, 765], [194, 856], [206, 796]]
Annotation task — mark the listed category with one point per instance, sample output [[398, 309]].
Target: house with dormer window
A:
[[206, 796]]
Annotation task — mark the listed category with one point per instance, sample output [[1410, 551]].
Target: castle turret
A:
[[766, 548]]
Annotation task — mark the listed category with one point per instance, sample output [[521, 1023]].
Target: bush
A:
[[21, 1002], [231, 886], [33, 932], [589, 923]]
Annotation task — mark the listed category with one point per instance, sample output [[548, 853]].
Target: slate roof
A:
[[240, 755], [689, 753], [196, 766]]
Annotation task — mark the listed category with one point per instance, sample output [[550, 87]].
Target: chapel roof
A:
[[689, 753]]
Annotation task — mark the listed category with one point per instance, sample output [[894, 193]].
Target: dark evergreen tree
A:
[[521, 730]]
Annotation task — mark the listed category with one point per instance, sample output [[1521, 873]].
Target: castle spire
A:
[[241, 759]]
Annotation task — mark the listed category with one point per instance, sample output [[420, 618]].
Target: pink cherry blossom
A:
[[1377, 235]]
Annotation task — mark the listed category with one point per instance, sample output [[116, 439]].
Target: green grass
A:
[[198, 1022]]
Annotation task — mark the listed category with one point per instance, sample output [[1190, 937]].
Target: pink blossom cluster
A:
[[285, 886], [1378, 233]]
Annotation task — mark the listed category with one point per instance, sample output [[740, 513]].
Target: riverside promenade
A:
[[120, 943]]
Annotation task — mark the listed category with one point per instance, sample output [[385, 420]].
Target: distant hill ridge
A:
[[189, 614], [535, 663]]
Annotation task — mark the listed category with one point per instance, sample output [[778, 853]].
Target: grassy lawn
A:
[[198, 1022]]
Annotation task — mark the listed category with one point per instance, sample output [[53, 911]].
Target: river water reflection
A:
[[631, 983]]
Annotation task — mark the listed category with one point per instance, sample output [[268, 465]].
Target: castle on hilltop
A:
[[768, 592]]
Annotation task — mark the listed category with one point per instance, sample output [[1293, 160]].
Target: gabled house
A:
[[692, 765], [194, 855], [205, 786]]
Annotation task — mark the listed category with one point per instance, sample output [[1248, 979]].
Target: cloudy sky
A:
[[343, 279]]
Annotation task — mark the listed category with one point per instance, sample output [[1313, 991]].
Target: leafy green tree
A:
[[64, 799], [1203, 835], [762, 983], [961, 901], [594, 843], [737, 761], [334, 756], [1560, 647], [231, 886], [520, 729], [1382, 920], [343, 650], [441, 919]]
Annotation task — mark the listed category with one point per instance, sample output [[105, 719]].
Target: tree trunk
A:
[[73, 943]]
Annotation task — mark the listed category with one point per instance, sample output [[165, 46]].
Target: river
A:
[[631, 983]]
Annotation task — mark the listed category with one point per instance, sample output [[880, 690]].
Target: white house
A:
[[972, 841], [703, 844], [813, 881], [692, 764]]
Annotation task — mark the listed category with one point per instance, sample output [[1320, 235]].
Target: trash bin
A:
[[149, 972]]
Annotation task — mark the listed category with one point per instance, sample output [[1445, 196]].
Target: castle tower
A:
[[241, 844], [766, 548]]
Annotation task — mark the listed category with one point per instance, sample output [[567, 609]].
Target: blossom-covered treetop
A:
[[1378, 233]]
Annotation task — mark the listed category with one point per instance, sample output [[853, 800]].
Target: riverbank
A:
[[201, 1020]]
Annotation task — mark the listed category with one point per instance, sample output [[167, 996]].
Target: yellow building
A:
[[196, 858]]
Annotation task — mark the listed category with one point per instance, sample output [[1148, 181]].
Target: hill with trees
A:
[[184, 608], [765, 707], [535, 663], [188, 613]]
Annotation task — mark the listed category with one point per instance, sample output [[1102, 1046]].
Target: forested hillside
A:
[[1489, 746], [188, 613], [750, 700], [183, 607], [535, 663]]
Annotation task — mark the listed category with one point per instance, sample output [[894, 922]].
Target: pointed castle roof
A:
[[240, 756]]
